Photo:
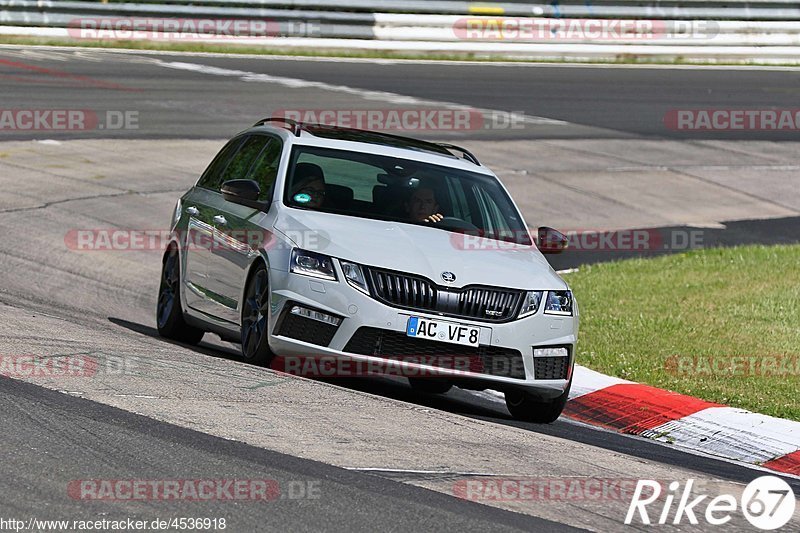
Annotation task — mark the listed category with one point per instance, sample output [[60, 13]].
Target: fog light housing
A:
[[551, 351], [319, 316]]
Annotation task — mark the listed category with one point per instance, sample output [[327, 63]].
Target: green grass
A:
[[624, 59], [678, 322]]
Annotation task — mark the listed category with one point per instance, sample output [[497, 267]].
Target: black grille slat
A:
[[419, 294]]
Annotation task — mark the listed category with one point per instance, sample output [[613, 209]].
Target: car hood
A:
[[420, 250]]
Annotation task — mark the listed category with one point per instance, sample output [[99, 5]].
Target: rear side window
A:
[[211, 178], [265, 169], [240, 164]]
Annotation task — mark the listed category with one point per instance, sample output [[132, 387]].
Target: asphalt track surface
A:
[[596, 101], [56, 437], [65, 436]]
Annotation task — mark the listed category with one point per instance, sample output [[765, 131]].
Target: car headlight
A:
[[558, 303], [530, 303], [312, 264], [354, 276]]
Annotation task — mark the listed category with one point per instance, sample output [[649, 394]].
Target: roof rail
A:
[[295, 126], [466, 153]]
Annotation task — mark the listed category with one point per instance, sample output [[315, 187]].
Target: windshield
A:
[[400, 190]]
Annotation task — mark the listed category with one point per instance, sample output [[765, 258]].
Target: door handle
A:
[[193, 211], [219, 219]]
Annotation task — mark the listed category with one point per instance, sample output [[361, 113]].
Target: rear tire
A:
[[529, 408], [430, 386], [169, 315], [255, 337]]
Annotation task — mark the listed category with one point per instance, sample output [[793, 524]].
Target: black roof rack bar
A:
[[467, 154], [418, 143], [296, 127]]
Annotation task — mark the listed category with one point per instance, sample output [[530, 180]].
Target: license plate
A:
[[438, 330]]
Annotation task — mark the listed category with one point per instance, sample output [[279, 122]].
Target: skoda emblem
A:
[[448, 277]]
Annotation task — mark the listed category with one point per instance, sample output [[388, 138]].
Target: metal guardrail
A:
[[766, 28], [362, 10], [451, 7]]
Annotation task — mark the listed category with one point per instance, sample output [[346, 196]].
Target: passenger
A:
[[308, 185], [422, 206]]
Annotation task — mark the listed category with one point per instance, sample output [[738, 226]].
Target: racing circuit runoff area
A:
[[159, 432]]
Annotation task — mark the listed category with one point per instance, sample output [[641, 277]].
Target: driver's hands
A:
[[434, 218]]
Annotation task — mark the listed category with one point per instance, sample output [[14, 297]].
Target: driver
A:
[[422, 206]]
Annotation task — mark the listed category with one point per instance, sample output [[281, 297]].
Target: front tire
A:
[[255, 343], [526, 407], [169, 315]]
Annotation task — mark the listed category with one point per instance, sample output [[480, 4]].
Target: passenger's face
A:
[[422, 204], [316, 190]]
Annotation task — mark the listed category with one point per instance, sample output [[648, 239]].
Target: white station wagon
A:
[[305, 240]]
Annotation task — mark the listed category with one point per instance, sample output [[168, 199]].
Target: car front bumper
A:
[[502, 371]]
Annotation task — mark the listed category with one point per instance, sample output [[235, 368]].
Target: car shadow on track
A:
[[221, 349], [456, 401]]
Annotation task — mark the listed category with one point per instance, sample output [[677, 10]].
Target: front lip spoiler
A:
[[420, 370], [292, 347]]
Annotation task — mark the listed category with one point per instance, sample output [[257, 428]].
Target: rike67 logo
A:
[[767, 502]]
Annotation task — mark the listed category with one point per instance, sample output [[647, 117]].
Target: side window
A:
[[458, 199], [211, 177], [239, 167], [495, 222], [265, 169]]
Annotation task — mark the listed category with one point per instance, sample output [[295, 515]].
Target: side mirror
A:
[[243, 192], [551, 241]]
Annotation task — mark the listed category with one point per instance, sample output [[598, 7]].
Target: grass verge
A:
[[720, 324]]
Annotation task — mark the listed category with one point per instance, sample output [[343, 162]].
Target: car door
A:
[[197, 242], [237, 232]]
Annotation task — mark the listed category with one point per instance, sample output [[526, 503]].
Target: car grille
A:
[[489, 304], [550, 367], [387, 344], [305, 329]]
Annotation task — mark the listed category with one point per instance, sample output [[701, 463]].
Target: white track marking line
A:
[[403, 471], [381, 96]]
